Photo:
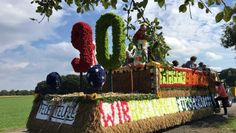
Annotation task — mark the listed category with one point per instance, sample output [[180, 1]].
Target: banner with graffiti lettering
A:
[[193, 102], [64, 112], [119, 112]]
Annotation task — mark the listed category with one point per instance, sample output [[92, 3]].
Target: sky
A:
[[30, 50]]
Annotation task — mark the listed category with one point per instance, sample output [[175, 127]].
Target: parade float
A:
[[137, 97]]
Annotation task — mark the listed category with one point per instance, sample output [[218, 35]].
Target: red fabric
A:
[[221, 91], [81, 39], [140, 34]]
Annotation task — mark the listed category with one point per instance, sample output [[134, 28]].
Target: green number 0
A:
[[115, 60]]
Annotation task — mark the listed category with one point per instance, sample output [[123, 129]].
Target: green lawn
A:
[[14, 112], [228, 125]]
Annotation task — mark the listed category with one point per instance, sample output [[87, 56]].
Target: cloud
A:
[[13, 65], [216, 68], [213, 56], [25, 68], [182, 47], [17, 28]]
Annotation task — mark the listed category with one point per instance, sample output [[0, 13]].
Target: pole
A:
[[81, 80], [110, 80]]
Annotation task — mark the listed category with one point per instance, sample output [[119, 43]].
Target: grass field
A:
[[14, 111], [228, 125]]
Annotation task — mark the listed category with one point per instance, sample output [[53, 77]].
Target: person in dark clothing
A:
[[191, 63], [200, 66], [175, 63]]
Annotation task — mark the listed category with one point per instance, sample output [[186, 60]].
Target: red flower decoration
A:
[[81, 39]]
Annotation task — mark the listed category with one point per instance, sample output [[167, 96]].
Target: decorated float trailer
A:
[[143, 99], [158, 99]]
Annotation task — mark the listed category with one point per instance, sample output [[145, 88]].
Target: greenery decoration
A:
[[129, 98], [103, 56], [96, 98], [197, 88]]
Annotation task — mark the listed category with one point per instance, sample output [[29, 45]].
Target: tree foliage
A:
[[16, 92], [229, 75], [46, 7], [228, 39]]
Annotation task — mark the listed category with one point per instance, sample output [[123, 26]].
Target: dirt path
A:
[[205, 125], [201, 126]]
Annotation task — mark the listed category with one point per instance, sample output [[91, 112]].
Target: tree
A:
[[3, 92], [228, 39], [71, 83], [229, 75], [46, 7], [12, 92]]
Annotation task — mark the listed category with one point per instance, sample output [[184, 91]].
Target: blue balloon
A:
[[96, 77]]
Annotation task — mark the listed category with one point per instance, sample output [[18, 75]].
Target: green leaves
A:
[[113, 3], [211, 2], [69, 2], [139, 15], [39, 9], [48, 13], [161, 3], [183, 8], [105, 5], [129, 19], [46, 7], [57, 7], [228, 11], [144, 3], [219, 17], [200, 5], [226, 14], [234, 19], [218, 2]]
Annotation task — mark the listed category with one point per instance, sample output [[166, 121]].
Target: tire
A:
[[230, 100], [230, 97]]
